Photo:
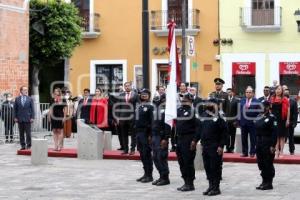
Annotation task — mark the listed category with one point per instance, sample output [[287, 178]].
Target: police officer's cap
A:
[[219, 81], [145, 91]]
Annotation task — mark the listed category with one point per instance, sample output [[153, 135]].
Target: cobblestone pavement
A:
[[69, 178]]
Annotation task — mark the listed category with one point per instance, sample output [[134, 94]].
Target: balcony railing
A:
[[90, 25], [160, 19], [261, 19]]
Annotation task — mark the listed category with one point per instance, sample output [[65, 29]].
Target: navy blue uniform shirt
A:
[[211, 130]]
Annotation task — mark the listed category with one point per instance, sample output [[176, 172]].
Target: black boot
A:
[[156, 181], [164, 181], [215, 189], [262, 184], [208, 189], [139, 179], [189, 186], [268, 185], [184, 185], [147, 179]]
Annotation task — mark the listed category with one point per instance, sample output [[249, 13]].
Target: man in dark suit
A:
[[112, 118], [293, 120], [231, 112], [198, 102], [24, 115], [267, 95], [219, 94], [249, 107], [126, 115], [84, 106]]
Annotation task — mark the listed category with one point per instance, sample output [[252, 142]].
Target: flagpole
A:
[[171, 100], [145, 39]]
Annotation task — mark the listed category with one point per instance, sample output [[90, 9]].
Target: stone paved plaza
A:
[[69, 178]]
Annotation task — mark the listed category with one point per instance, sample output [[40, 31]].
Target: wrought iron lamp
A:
[[297, 17]]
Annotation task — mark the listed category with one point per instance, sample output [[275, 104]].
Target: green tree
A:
[[54, 33]]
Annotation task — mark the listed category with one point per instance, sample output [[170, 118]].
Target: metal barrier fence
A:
[[9, 128]]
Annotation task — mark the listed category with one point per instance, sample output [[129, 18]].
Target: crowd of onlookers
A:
[[106, 111]]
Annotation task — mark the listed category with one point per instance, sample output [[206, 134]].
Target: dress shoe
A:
[[173, 149], [124, 153], [244, 155], [22, 148], [267, 186], [11, 141], [259, 187], [163, 182], [206, 191], [6, 141], [187, 188], [179, 189], [156, 181], [28, 147], [139, 179], [147, 179], [214, 192], [292, 153], [120, 149], [252, 155], [132, 153]]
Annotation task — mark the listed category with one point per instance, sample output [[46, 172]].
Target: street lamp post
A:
[[145, 39], [297, 16], [183, 53]]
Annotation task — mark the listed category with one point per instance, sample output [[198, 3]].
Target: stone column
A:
[[107, 140], [198, 162], [238, 141], [90, 141], [39, 152]]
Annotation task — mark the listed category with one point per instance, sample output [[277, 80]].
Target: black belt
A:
[[264, 136]]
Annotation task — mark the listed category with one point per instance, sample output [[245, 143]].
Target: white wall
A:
[[275, 59]]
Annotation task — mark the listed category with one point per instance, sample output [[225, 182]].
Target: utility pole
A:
[[183, 54], [145, 39]]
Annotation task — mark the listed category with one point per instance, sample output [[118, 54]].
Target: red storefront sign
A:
[[243, 68], [289, 68]]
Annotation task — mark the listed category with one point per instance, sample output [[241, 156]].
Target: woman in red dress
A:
[[99, 112], [281, 110]]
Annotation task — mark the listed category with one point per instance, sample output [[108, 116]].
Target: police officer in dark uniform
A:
[[160, 137], [144, 116], [266, 138], [212, 131], [186, 124], [222, 99], [219, 94]]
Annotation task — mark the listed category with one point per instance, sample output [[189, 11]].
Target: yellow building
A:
[[111, 51], [264, 44]]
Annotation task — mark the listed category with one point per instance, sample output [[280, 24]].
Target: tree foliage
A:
[[54, 31]]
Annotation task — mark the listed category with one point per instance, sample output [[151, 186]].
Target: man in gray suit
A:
[[24, 115]]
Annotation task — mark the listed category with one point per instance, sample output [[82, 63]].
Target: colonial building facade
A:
[[111, 51], [264, 44]]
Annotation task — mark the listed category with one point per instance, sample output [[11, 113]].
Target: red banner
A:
[[289, 68], [243, 68]]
